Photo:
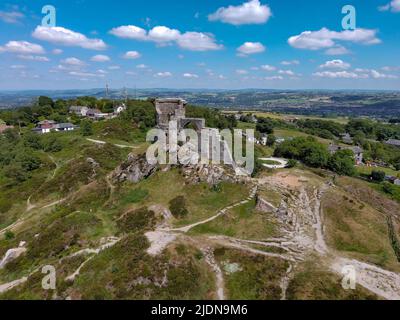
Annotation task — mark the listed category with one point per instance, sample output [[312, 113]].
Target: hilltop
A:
[[284, 233]]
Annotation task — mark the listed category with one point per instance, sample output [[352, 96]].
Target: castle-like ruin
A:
[[174, 109]]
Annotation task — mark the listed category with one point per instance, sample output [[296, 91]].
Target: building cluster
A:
[[96, 114], [48, 126], [358, 152]]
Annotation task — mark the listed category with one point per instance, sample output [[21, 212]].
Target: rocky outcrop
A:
[[135, 169], [11, 255], [264, 205], [211, 174]]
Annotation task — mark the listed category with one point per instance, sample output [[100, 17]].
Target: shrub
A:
[[139, 220], [177, 207], [291, 163], [342, 162], [378, 176], [86, 128], [9, 235]]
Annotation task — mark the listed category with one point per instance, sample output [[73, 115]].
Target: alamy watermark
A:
[[207, 146]]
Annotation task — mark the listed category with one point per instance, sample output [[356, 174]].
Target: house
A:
[[79, 111], [48, 126], [394, 180], [44, 126], [65, 127], [358, 152], [393, 142]]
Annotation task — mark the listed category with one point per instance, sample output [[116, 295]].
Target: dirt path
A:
[[186, 229], [210, 259], [122, 146]]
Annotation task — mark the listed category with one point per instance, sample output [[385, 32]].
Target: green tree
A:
[[32, 140], [378, 176], [177, 206], [342, 162], [271, 139], [86, 128]]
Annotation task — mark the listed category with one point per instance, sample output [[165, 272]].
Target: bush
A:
[[291, 163], [378, 176], [52, 144], [138, 220], [342, 162], [9, 235], [86, 128], [177, 207]]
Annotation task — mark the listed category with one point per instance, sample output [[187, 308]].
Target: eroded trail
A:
[[302, 224]]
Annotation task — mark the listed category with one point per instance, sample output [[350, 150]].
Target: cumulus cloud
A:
[[141, 66], [274, 78], [33, 58], [251, 12], [100, 58], [325, 38], [163, 74], [132, 55], [198, 41], [190, 75], [11, 16], [393, 6], [337, 74], [73, 62], [241, 71], [129, 32], [248, 48], [378, 75], [57, 51], [267, 67], [66, 37], [291, 62], [194, 41], [337, 51], [287, 72], [23, 47], [335, 64], [163, 34]]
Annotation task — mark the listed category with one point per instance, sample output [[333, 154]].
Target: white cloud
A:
[[250, 48], [132, 55], [267, 67], [141, 66], [163, 74], [57, 51], [325, 38], [190, 75], [33, 58], [377, 75], [17, 66], [393, 6], [274, 78], [335, 64], [198, 41], [287, 72], [251, 12], [162, 34], [291, 62], [23, 47], [85, 74], [241, 71], [73, 62], [100, 58], [11, 17], [63, 36], [194, 41], [129, 32], [337, 51], [339, 74], [101, 71]]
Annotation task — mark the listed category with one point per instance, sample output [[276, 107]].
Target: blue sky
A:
[[233, 44]]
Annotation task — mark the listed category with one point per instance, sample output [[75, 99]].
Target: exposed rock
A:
[[11, 255], [135, 169], [264, 205], [211, 174]]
